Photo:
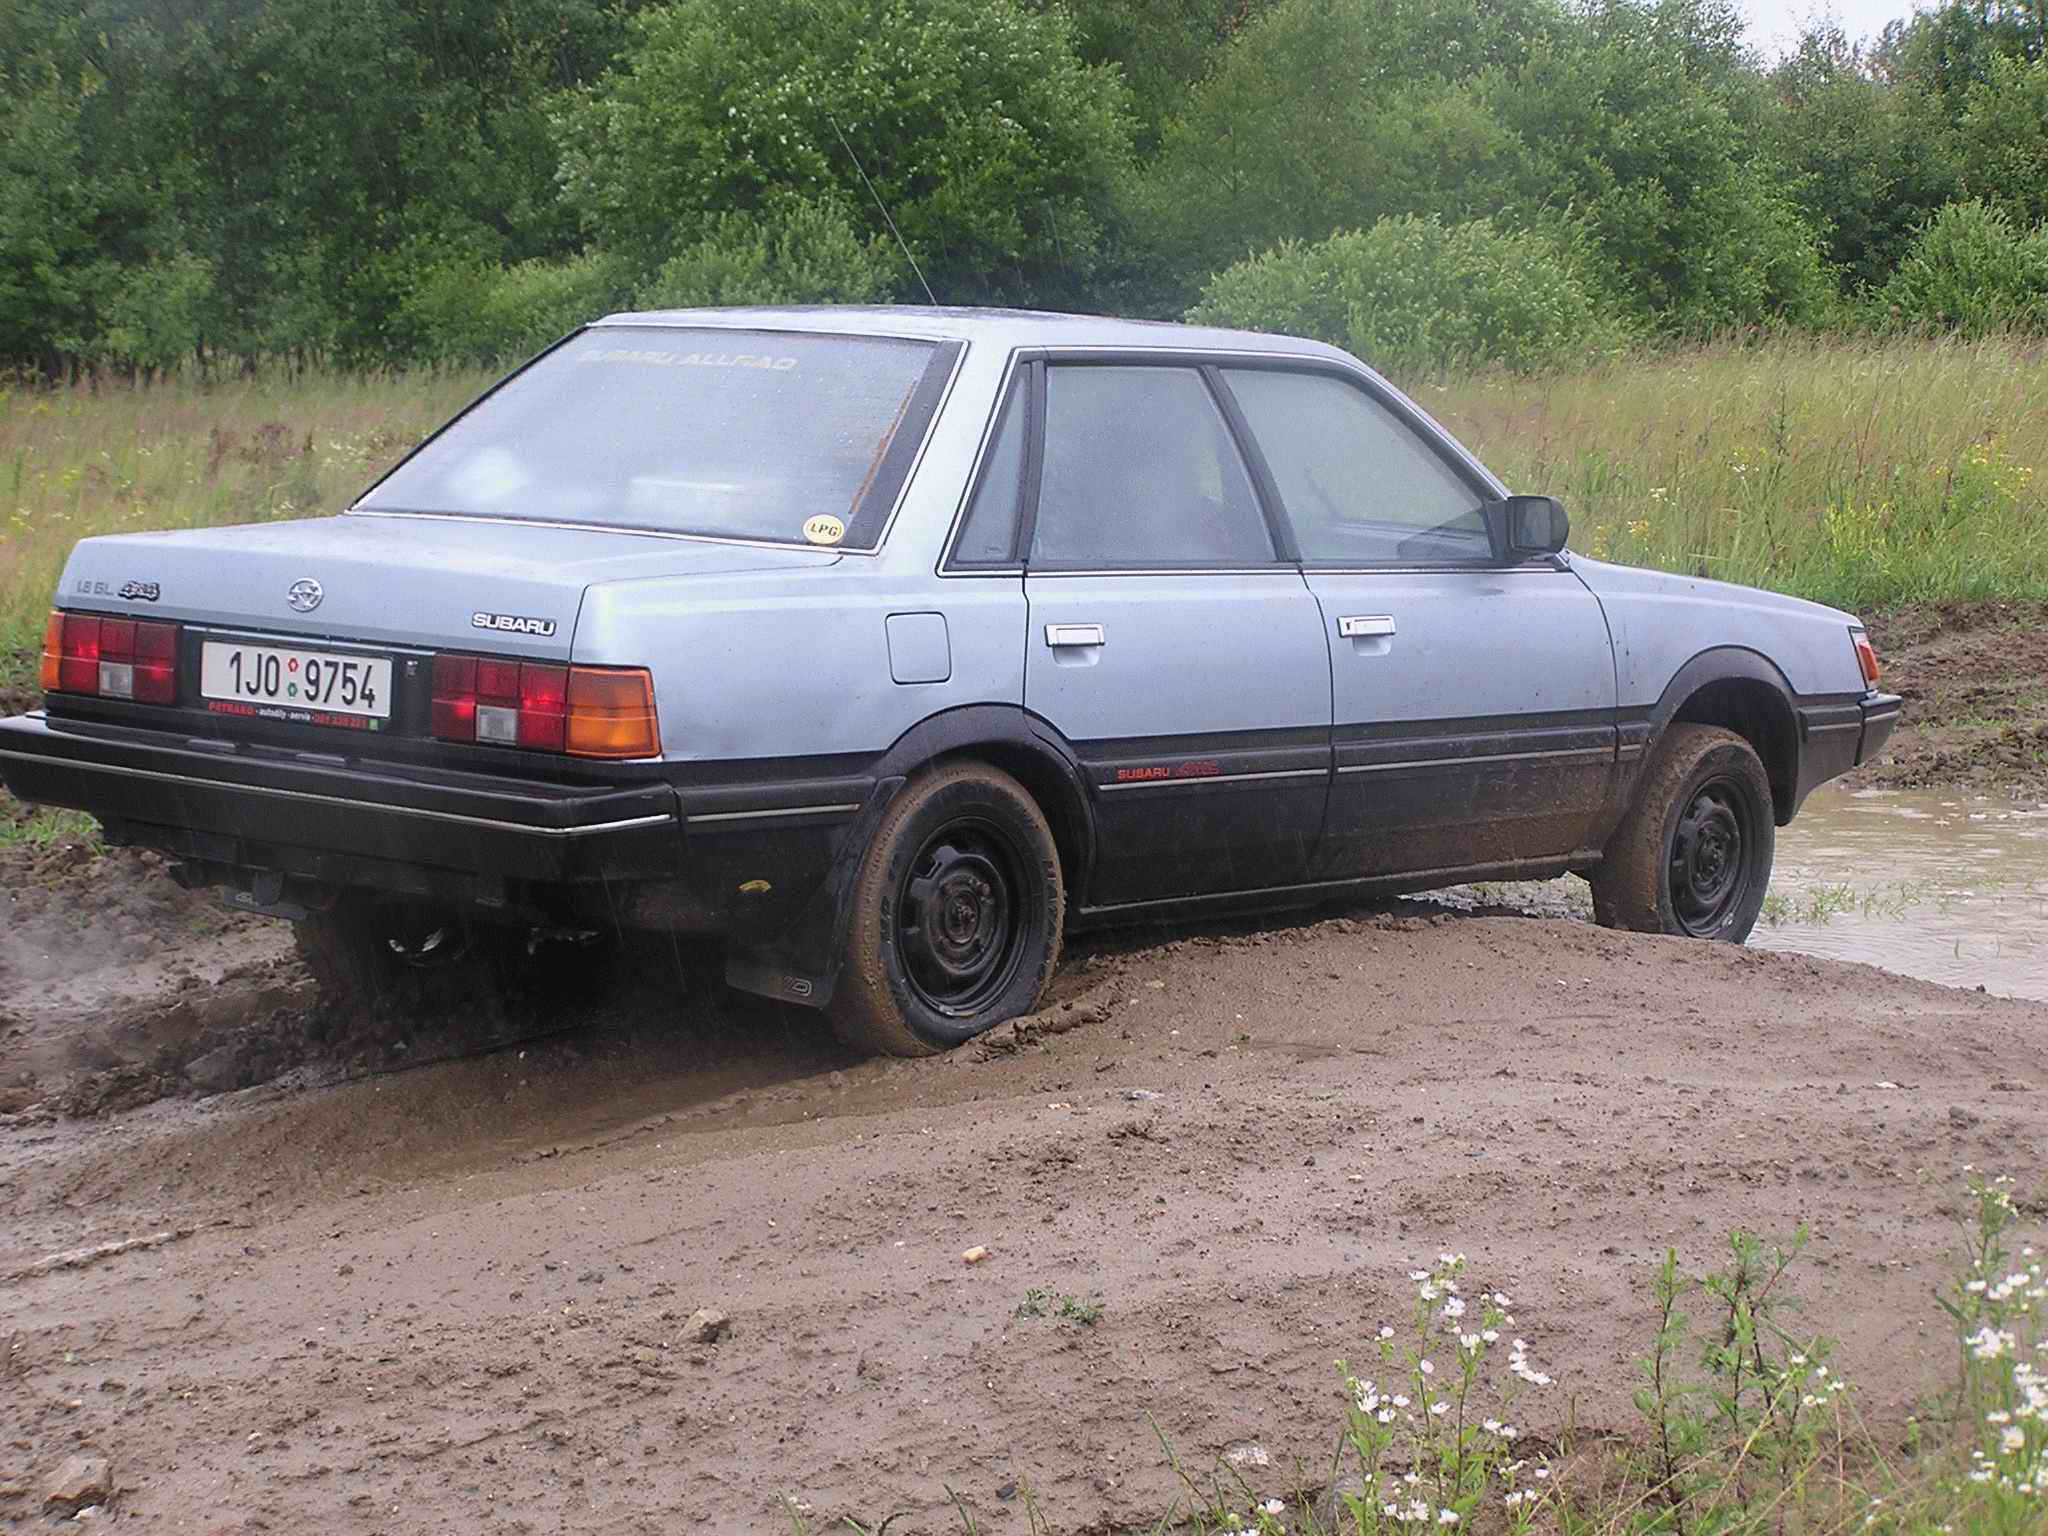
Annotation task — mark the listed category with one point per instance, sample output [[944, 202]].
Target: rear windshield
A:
[[730, 434]]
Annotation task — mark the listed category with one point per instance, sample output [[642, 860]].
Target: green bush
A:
[[158, 313], [1415, 293], [797, 252], [462, 309], [1970, 269]]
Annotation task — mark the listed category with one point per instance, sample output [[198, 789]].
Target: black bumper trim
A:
[[350, 802], [1880, 717], [343, 820]]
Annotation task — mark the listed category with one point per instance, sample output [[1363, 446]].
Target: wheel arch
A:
[[1021, 745], [1742, 691]]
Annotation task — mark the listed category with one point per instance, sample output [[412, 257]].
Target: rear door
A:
[[1168, 639], [1473, 702]]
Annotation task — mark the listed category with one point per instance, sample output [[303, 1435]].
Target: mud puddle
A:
[[1948, 888]]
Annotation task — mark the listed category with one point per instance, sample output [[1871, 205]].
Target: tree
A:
[[1871, 160], [993, 148], [1329, 114], [2002, 140]]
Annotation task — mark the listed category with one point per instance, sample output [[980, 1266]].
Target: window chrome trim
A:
[[1407, 411]]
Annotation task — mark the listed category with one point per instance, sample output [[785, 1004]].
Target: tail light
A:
[[1866, 657], [583, 711], [110, 658]]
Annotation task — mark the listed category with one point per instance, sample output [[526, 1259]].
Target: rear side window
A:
[[1140, 471], [1360, 486], [771, 435], [988, 536]]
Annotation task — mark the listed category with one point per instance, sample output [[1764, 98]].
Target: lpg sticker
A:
[[824, 529]]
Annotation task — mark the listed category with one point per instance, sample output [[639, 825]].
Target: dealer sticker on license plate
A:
[[299, 687]]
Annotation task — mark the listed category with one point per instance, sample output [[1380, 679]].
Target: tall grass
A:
[[118, 459], [1859, 472]]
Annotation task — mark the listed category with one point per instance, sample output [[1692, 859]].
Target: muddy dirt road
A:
[[455, 1298]]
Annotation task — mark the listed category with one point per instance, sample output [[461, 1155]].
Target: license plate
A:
[[301, 687]]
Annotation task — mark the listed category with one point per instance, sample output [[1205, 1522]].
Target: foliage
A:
[[1416, 294], [992, 147], [2003, 139], [795, 251], [460, 309], [1384, 86], [1639, 125], [219, 184], [1971, 270], [1869, 162]]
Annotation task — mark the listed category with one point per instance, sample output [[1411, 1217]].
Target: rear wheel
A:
[[369, 953], [1693, 855], [958, 910]]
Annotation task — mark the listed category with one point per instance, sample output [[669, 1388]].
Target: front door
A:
[[1473, 703], [1169, 643]]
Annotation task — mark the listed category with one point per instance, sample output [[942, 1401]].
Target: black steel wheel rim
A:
[[1712, 850], [960, 919]]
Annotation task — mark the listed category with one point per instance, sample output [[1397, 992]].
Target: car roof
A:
[[1003, 327]]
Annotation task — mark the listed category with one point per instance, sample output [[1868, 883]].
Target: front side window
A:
[[779, 436], [1141, 472], [1360, 486]]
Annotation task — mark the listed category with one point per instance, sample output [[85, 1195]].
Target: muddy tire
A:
[[1693, 855], [387, 956], [958, 909]]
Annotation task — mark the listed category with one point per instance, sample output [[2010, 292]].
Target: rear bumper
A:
[[346, 821]]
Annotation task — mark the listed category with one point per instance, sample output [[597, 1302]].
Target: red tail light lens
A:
[[583, 711], [111, 658], [455, 698], [543, 706], [1866, 657]]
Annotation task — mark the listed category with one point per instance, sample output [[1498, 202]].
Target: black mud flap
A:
[[801, 964]]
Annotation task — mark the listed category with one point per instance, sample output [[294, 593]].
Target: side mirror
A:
[[1523, 526]]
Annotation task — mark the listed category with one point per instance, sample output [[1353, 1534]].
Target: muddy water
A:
[[1940, 886]]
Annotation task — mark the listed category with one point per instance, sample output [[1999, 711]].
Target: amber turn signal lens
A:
[[611, 713], [1866, 657], [53, 652]]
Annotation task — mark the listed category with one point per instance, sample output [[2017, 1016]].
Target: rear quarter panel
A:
[[778, 664]]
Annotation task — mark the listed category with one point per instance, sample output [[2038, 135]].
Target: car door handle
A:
[[1058, 635], [1366, 626]]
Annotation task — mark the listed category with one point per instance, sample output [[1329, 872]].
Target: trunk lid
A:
[[443, 583]]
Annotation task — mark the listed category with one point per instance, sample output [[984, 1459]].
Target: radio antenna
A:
[[901, 244]]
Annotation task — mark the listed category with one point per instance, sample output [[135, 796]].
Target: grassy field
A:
[[1862, 473], [115, 460], [1856, 472]]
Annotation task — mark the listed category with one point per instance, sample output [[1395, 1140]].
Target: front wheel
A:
[[957, 915], [1693, 855]]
